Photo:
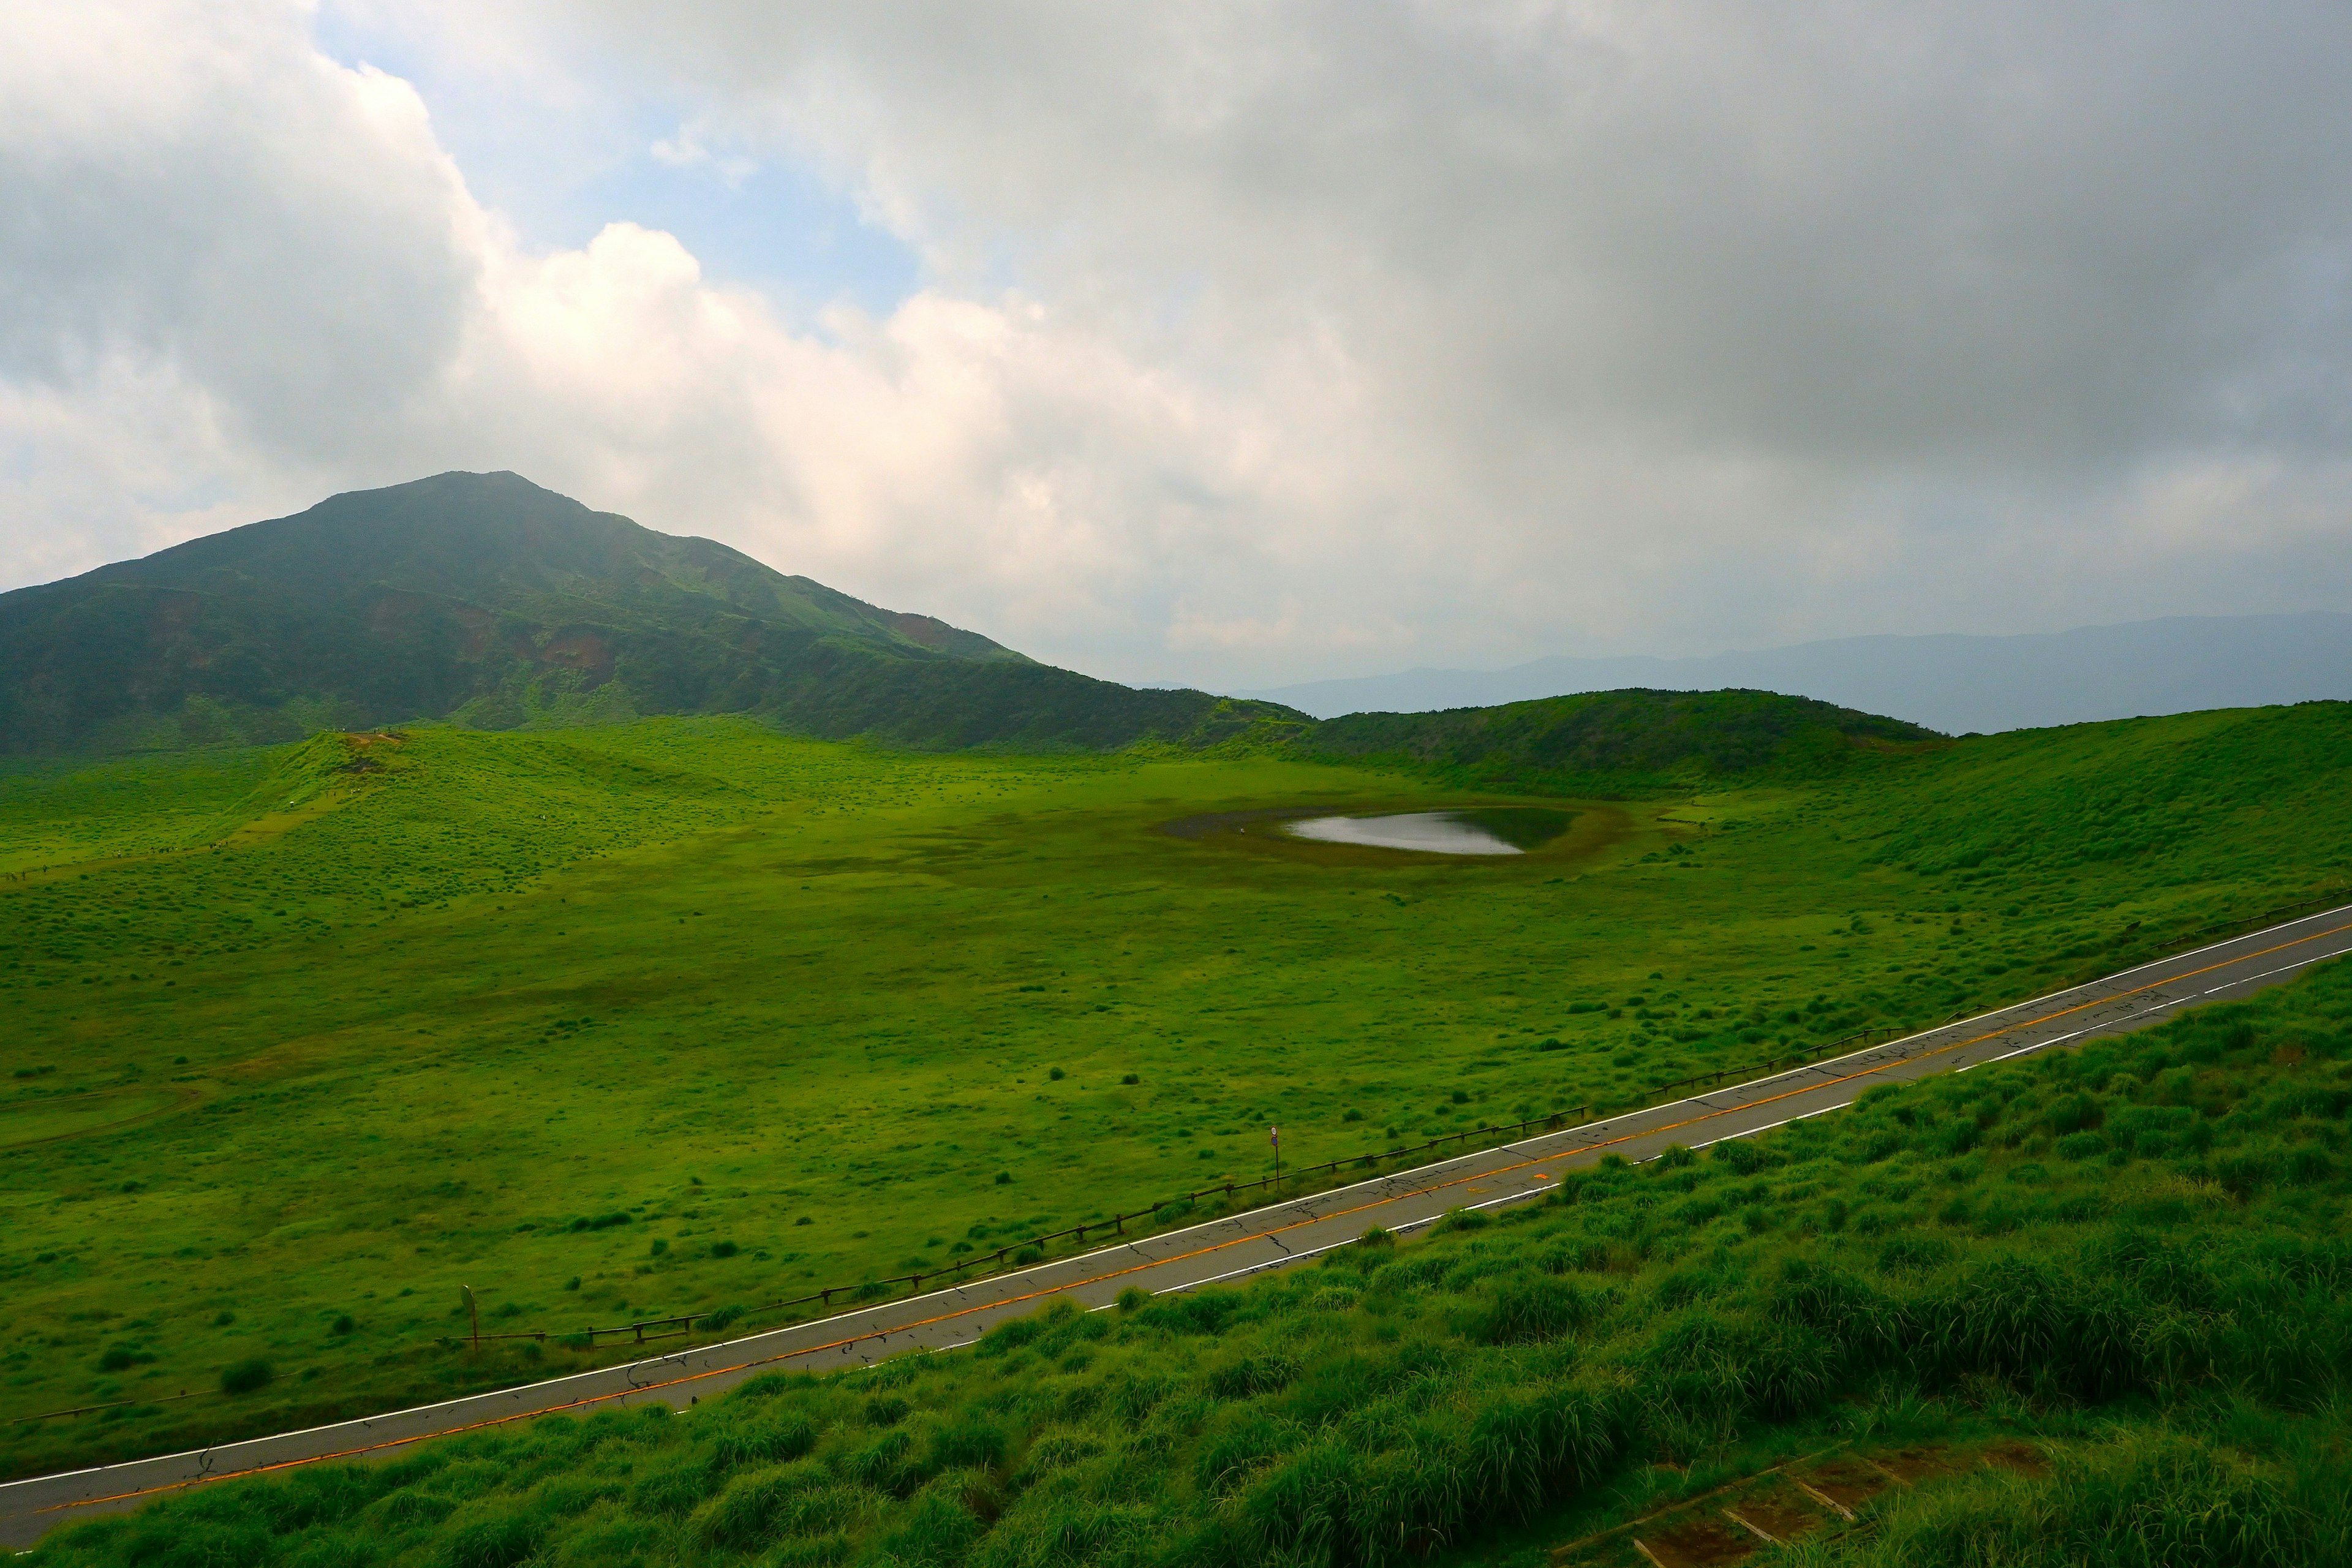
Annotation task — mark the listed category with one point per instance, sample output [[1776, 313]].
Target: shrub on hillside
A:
[[245, 1376]]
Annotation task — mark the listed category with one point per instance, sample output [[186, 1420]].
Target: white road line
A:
[[1752, 1131], [2225, 941], [1277, 1262], [1274, 1263], [2036, 1045], [2282, 969]]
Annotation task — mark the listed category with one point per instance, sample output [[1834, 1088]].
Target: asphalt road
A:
[[1239, 1244]]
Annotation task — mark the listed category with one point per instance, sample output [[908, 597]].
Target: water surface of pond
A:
[[1509, 830]]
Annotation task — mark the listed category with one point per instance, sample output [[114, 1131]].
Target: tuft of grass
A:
[[248, 1376]]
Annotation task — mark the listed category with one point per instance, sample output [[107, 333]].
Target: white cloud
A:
[[690, 149], [1259, 342]]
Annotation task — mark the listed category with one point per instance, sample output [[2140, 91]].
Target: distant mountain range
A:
[[488, 601], [1956, 684]]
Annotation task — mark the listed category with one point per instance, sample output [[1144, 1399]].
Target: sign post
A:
[[1274, 1136]]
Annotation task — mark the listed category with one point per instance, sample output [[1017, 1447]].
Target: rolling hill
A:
[[2179, 664], [487, 600], [1621, 737]]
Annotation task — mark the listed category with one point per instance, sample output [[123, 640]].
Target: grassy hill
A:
[[1613, 740], [2117, 1271], [484, 599], [318, 1032]]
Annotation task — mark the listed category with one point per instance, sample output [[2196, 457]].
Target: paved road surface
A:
[[1242, 1243]]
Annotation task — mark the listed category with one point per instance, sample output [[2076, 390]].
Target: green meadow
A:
[[682, 1016], [2123, 1268]]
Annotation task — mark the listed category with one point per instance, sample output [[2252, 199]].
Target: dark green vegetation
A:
[[487, 600], [2129, 1261], [1611, 741], [681, 1016]]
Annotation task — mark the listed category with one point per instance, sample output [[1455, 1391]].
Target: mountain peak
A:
[[482, 597]]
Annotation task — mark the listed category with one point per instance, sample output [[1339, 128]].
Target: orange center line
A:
[[1197, 1252]]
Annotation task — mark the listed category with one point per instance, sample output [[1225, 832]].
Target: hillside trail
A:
[[1818, 1495]]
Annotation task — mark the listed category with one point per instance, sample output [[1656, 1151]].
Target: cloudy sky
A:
[[1226, 341]]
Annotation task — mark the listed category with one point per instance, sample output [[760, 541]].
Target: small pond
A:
[[1507, 830]]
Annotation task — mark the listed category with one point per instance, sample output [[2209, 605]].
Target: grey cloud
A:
[[195, 188], [1964, 234]]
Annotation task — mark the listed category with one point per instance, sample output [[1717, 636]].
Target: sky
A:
[[1229, 342]]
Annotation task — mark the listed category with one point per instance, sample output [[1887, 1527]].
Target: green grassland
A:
[[683, 1015], [2127, 1262]]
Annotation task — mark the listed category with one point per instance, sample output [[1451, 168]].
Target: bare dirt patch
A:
[[1914, 1466], [1778, 1512], [1696, 1543], [2021, 1457]]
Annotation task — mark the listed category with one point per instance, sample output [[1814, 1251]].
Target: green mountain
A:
[[485, 599], [489, 601]]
